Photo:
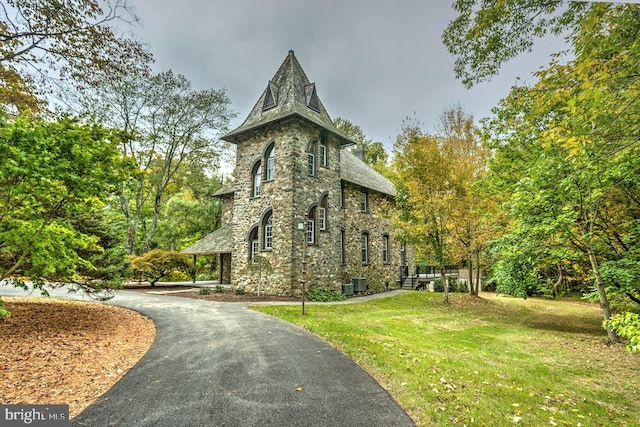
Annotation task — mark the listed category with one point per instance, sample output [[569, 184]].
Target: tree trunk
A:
[[478, 272], [472, 290], [554, 290], [157, 205], [445, 285], [604, 301]]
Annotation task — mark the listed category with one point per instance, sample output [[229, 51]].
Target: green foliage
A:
[[158, 263], [218, 289], [626, 325], [323, 295], [566, 160], [373, 153], [54, 179], [204, 291], [239, 290], [71, 39], [170, 130], [488, 33], [3, 311]]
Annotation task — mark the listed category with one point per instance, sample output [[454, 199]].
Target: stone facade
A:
[[316, 182]]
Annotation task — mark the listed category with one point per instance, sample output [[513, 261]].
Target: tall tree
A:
[[423, 193], [435, 177], [168, 125], [467, 158], [54, 179], [488, 33], [63, 39], [570, 144], [373, 153]]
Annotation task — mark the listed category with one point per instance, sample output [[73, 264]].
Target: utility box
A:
[[359, 285], [347, 289]]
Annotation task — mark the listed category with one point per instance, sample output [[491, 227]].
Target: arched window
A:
[[270, 162], [256, 179], [311, 226], [267, 231], [253, 243], [364, 244], [322, 213], [311, 158], [385, 248], [324, 151]]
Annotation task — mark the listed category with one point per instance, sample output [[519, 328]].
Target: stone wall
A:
[[290, 196], [380, 275]]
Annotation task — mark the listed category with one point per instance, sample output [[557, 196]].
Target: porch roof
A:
[[218, 242]]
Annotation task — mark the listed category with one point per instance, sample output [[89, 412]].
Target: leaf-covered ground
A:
[[67, 352]]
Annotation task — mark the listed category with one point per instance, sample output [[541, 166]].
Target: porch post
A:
[[194, 267]]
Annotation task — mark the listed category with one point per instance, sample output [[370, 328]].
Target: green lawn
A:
[[488, 361]]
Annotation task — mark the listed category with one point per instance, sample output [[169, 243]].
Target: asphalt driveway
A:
[[221, 364]]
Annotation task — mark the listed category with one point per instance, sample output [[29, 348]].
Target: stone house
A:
[[300, 196]]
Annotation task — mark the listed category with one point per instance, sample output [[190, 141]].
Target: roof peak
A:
[[289, 92]]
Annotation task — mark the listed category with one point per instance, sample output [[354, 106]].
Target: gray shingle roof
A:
[[218, 242], [356, 171], [228, 189], [288, 93]]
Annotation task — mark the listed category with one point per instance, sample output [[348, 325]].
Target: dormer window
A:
[[312, 97], [270, 97]]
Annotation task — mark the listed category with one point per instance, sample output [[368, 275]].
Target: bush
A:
[[204, 291], [158, 263], [626, 325], [324, 295], [218, 289], [239, 290]]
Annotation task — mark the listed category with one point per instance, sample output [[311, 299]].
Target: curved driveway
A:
[[221, 364]]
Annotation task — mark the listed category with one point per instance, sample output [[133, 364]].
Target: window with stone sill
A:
[[324, 151], [267, 231], [253, 244], [385, 249], [312, 168], [256, 180], [322, 213], [364, 201], [364, 247], [311, 226], [270, 162]]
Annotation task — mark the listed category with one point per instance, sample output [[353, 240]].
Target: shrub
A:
[[218, 289], [204, 291], [239, 290], [626, 325], [324, 295], [158, 263]]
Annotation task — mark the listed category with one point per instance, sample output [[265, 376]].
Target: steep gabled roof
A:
[[356, 171], [288, 93]]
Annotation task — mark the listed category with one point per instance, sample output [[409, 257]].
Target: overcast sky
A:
[[373, 62]]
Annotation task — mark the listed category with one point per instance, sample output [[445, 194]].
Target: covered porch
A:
[[220, 244]]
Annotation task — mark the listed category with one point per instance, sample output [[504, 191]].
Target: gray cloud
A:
[[373, 62]]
